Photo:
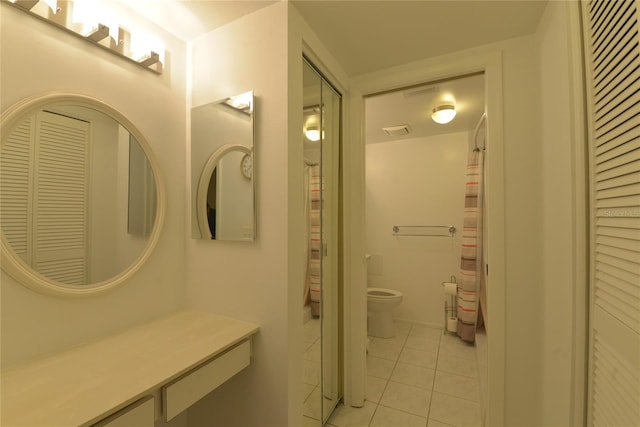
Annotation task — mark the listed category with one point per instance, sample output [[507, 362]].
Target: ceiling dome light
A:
[[312, 133], [443, 113]]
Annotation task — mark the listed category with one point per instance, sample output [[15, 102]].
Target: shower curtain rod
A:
[[426, 84]]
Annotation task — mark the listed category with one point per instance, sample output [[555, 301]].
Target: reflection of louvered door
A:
[[57, 203], [15, 207], [613, 70]]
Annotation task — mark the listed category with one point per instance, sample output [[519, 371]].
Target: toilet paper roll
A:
[[450, 288], [452, 324]]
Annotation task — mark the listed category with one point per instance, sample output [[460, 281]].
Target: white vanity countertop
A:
[[82, 385]]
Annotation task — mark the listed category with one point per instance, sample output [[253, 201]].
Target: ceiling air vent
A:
[[397, 130]]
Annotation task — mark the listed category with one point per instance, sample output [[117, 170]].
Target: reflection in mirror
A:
[[222, 159], [320, 134], [78, 196]]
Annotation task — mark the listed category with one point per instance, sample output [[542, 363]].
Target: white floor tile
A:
[[424, 359], [419, 378], [413, 375], [424, 331], [389, 417], [457, 385], [385, 348], [312, 406], [308, 389], [380, 368], [457, 365], [406, 398], [313, 353], [310, 422], [375, 388], [434, 423], [402, 328], [346, 416], [454, 411], [311, 372], [452, 345], [312, 330], [422, 343]]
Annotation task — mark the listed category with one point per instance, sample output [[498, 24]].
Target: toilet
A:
[[380, 305]]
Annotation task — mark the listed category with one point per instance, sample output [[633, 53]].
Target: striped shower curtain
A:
[[314, 254], [471, 263]]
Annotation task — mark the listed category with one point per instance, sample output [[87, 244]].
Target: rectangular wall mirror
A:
[[222, 162]]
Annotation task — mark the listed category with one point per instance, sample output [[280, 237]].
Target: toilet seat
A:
[[382, 293]]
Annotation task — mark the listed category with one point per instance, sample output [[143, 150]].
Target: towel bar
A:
[[424, 230]]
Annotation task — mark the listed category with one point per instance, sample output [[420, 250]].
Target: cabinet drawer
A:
[[139, 414], [187, 390]]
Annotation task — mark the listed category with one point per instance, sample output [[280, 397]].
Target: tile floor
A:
[[421, 377]]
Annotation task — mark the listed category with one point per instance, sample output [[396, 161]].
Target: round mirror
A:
[[81, 201]]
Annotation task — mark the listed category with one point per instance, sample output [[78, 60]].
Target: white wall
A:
[[522, 233], [416, 181], [558, 250], [38, 58], [249, 281], [260, 281]]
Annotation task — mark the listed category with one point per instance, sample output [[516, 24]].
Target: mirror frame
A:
[[13, 264], [203, 185]]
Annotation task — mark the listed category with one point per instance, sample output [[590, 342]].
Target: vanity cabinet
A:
[[187, 390], [139, 414], [154, 371]]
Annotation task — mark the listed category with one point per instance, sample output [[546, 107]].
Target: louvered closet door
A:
[[60, 195], [613, 76]]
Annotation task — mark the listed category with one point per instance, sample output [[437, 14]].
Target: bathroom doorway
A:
[[415, 182], [321, 133]]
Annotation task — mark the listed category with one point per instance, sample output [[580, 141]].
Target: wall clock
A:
[[246, 166]]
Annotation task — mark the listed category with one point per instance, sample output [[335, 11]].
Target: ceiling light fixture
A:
[[443, 113], [312, 132]]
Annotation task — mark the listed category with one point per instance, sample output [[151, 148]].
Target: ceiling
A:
[[366, 35], [370, 35], [189, 19], [413, 107]]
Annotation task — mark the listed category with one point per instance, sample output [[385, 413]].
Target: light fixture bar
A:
[[152, 62], [100, 34], [153, 58], [26, 4]]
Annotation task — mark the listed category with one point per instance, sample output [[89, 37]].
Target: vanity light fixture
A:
[[242, 102], [101, 33], [443, 113], [91, 20]]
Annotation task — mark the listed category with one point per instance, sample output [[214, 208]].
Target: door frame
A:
[[581, 221], [390, 79]]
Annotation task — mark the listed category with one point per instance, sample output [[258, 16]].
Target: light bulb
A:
[[443, 114], [312, 133]]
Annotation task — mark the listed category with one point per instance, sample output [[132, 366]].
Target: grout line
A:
[[405, 412], [396, 361], [388, 379], [435, 372]]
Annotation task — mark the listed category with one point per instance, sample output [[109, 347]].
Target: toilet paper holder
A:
[[450, 308]]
